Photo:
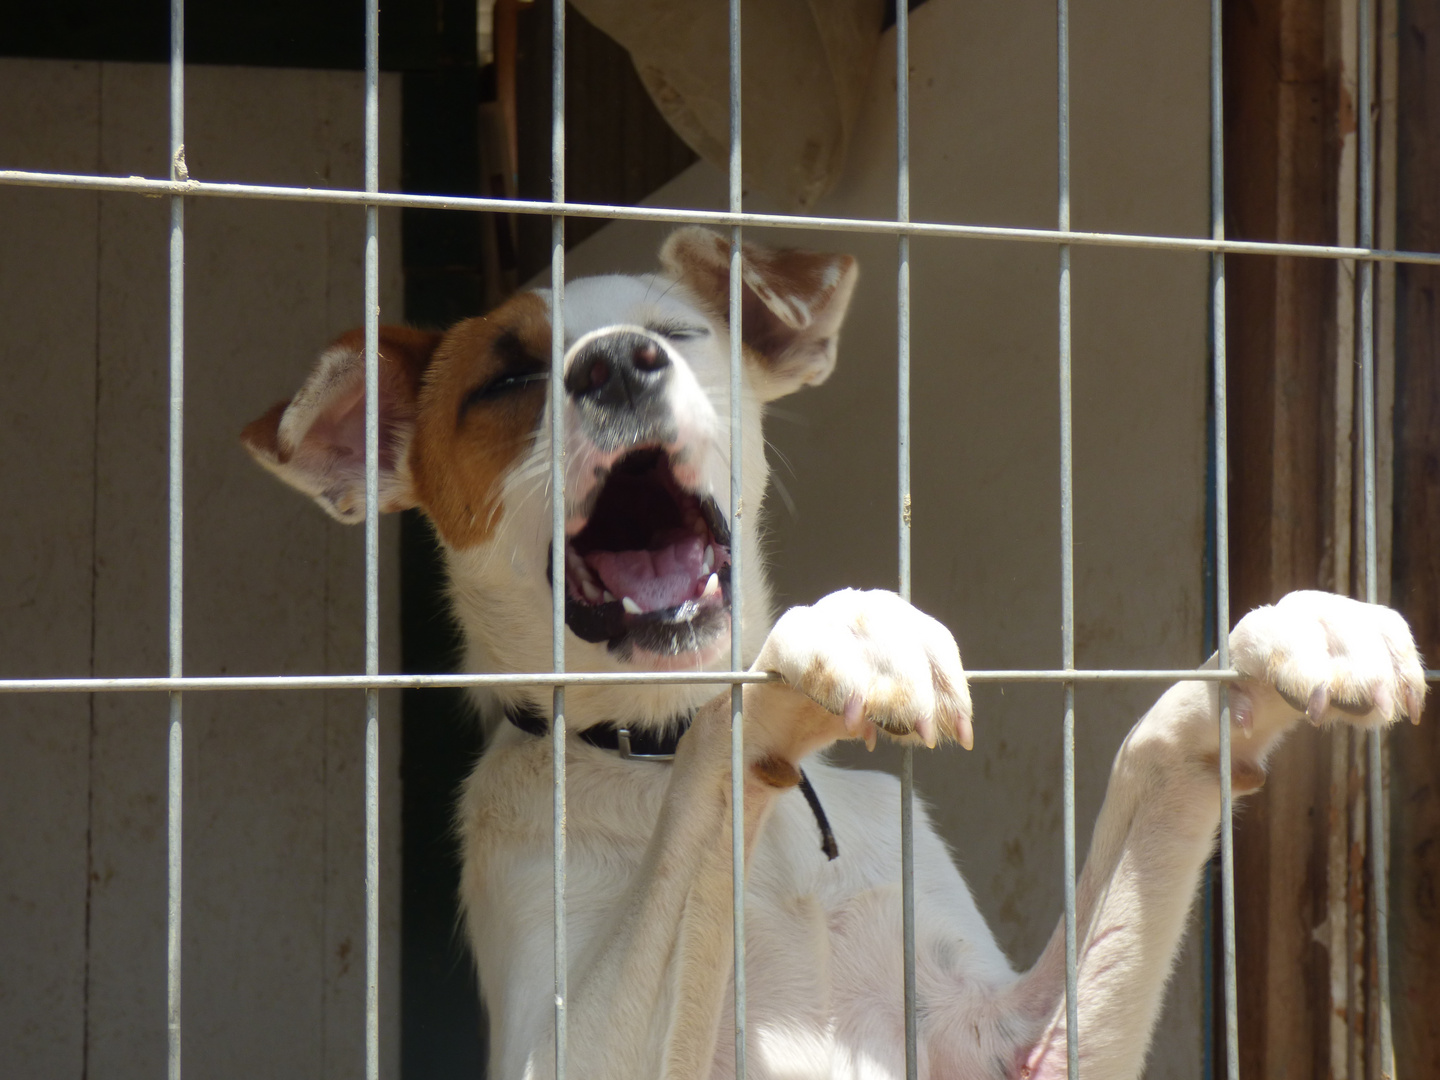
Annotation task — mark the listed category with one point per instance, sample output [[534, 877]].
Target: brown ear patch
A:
[[792, 305], [796, 286], [461, 452], [701, 259], [261, 435], [315, 442]]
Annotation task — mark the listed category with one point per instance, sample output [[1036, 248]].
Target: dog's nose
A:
[[617, 369]]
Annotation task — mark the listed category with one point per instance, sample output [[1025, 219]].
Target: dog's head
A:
[[464, 435]]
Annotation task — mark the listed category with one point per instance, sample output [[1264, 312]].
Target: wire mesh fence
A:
[[180, 187]]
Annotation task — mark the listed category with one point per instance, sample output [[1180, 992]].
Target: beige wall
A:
[[273, 933], [986, 413], [274, 842]]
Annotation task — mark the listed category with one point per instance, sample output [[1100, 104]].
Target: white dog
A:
[[647, 552]]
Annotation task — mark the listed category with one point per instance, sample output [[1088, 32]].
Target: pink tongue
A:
[[655, 580]]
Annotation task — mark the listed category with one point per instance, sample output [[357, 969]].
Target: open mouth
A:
[[651, 568]]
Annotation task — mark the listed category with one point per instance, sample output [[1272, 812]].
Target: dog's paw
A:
[[1328, 658], [875, 662]]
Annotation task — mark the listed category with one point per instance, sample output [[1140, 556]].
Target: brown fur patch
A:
[[776, 772], [404, 355], [786, 288], [261, 435], [458, 462]]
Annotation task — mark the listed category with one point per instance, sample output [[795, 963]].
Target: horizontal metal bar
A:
[[376, 682], [546, 678], [143, 186]]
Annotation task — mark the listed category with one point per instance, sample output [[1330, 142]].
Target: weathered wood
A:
[[1281, 150], [1415, 751]]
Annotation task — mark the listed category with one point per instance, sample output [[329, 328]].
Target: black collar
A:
[[631, 745], [646, 746]]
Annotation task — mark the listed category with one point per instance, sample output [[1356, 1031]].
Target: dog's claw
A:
[[871, 734], [1316, 706], [925, 728], [1384, 701], [965, 732], [854, 710]]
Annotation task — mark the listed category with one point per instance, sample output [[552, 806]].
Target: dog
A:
[[464, 435]]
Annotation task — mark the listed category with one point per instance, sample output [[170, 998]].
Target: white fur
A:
[[649, 846], [648, 895], [649, 864]]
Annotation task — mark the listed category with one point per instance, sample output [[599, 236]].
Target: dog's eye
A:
[[498, 388], [680, 332]]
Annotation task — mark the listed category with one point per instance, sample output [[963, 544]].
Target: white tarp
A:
[[805, 64]]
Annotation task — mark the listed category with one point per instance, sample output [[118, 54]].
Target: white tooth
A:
[[609, 596], [712, 586], [709, 558], [630, 605], [592, 591]]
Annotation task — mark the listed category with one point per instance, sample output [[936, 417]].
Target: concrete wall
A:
[[986, 413], [274, 841]]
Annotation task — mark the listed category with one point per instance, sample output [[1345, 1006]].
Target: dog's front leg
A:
[[648, 1001], [1328, 657]]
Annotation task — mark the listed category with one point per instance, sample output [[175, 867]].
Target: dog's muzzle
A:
[[618, 383]]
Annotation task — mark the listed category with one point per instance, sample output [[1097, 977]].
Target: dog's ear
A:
[[794, 302], [315, 442]]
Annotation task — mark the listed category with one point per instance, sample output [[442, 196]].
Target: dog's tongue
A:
[[655, 580]]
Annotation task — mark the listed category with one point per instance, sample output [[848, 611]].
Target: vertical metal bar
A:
[[1366, 330], [1222, 539], [737, 590], [175, 766], [557, 524], [372, 542], [1067, 547], [902, 304]]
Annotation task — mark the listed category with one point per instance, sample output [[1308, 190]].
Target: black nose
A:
[[617, 370]]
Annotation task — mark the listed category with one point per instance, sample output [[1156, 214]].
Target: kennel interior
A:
[[271, 959]]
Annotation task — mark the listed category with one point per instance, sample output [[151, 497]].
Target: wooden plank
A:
[[1280, 156], [1415, 751]]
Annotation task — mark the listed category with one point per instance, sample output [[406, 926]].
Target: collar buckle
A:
[[622, 736]]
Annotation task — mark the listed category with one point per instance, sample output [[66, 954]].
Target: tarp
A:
[[805, 65]]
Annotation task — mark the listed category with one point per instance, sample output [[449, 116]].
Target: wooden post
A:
[[1415, 751]]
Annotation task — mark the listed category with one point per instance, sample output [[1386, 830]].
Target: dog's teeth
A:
[[709, 563], [712, 586], [579, 571], [630, 605], [609, 596]]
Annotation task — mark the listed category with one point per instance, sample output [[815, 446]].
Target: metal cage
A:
[[180, 187]]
